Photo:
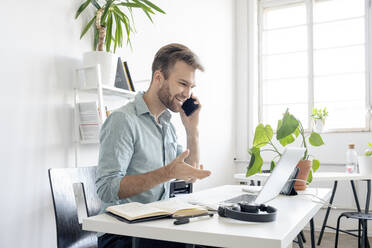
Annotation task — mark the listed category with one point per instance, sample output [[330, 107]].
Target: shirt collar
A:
[[141, 108]]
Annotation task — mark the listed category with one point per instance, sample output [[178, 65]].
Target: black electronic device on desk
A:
[[179, 187], [288, 188]]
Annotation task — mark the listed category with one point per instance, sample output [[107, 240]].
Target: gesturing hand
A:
[[180, 170]]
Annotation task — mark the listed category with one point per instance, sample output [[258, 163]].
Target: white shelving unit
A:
[[95, 87]]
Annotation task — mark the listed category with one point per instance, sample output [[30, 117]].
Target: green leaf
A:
[[287, 140], [289, 124], [148, 15], [315, 139], [109, 32], [310, 177], [94, 2], [116, 33], [153, 6], [297, 131], [370, 144], [255, 163], [87, 27], [82, 8], [144, 7], [130, 5], [279, 124], [262, 135], [250, 151], [105, 12], [272, 165], [123, 17], [315, 165]]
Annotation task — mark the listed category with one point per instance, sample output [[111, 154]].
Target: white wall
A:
[[38, 52]]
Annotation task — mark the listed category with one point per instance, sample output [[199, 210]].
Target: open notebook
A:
[[137, 212]]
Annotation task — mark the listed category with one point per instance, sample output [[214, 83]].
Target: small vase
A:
[[318, 125], [304, 166]]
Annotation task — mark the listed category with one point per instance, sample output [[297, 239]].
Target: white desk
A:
[[294, 212], [317, 177], [327, 176]]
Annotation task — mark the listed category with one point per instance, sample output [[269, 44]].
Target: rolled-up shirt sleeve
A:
[[115, 153], [179, 149]]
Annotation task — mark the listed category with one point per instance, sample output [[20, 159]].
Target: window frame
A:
[[262, 4]]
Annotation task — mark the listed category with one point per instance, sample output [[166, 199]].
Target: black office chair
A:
[[179, 187], [74, 198]]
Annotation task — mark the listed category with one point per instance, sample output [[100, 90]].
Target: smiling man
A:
[[139, 152]]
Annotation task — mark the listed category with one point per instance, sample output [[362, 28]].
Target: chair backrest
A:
[[179, 187], [74, 198]]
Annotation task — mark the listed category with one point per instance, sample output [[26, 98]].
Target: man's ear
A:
[[158, 77]]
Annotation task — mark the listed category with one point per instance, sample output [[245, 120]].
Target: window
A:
[[314, 54]]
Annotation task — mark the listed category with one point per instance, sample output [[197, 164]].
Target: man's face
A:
[[177, 88]]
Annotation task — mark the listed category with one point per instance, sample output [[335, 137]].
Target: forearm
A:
[[136, 184], [193, 146]]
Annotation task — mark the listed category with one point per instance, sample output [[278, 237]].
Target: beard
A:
[[167, 99]]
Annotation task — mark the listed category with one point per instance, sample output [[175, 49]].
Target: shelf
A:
[[111, 91]]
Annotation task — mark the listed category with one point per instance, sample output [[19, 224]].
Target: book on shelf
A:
[[89, 121], [129, 78], [138, 212], [121, 78]]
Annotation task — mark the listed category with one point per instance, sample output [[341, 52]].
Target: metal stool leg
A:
[[337, 230], [359, 232], [312, 233], [299, 240], [327, 213], [303, 236]]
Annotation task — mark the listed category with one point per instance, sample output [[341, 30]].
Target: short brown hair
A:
[[168, 55]]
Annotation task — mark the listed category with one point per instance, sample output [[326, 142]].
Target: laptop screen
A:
[[280, 174]]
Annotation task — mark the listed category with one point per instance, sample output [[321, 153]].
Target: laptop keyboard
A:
[[246, 198]]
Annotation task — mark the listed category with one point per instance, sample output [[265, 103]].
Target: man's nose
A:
[[187, 92]]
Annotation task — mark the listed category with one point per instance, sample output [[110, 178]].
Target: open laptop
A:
[[278, 178]]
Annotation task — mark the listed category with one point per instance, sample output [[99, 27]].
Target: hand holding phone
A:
[[189, 106]]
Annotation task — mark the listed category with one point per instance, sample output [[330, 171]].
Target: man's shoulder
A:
[[124, 115], [128, 110]]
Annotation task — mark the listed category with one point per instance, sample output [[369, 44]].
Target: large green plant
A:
[[109, 16], [288, 130]]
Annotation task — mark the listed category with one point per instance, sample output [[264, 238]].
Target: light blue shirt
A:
[[131, 143]]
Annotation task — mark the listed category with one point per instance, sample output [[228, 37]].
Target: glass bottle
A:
[[351, 159]]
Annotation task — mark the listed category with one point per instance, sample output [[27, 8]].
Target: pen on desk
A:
[[186, 219]]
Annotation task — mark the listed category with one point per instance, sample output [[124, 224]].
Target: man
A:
[[139, 153]]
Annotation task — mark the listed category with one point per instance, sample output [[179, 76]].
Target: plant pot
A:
[[365, 165], [318, 125], [108, 64], [304, 166]]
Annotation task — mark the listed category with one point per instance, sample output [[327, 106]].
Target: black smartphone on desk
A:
[[189, 106]]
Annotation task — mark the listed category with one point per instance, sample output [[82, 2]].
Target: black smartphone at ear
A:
[[189, 106]]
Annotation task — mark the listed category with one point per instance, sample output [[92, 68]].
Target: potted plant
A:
[[365, 161], [110, 22], [288, 130], [319, 116]]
